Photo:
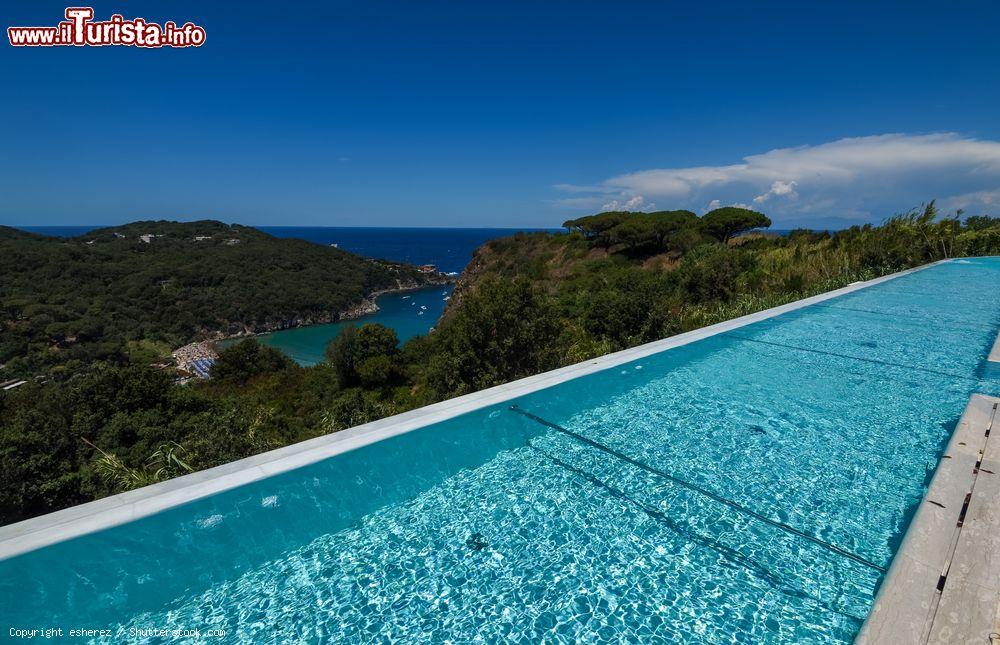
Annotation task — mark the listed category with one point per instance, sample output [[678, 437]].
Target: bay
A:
[[409, 314]]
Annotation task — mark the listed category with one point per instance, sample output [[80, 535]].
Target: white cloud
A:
[[579, 203], [573, 188], [717, 203], [778, 188], [979, 202], [637, 203], [848, 180]]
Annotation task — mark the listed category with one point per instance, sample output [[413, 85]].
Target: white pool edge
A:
[[995, 352], [59, 526]]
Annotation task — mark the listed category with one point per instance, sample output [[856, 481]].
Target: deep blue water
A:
[[449, 249], [59, 231]]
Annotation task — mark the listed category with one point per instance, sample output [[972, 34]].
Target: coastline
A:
[[366, 307]]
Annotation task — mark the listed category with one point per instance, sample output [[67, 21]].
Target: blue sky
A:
[[505, 114]]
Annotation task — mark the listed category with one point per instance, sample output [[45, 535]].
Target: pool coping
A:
[[45, 530], [943, 585], [995, 352]]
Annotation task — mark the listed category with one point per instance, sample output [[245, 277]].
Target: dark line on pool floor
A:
[[849, 356], [914, 319], [886, 287], [698, 489], [687, 533]]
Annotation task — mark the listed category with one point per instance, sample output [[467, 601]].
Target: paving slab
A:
[[971, 595]]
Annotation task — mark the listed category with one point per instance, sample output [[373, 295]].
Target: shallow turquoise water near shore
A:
[[410, 314], [829, 419]]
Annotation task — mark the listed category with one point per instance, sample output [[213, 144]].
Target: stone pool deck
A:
[[944, 583]]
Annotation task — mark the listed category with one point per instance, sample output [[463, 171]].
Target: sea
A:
[[409, 314]]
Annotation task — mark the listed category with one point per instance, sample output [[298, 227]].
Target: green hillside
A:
[[156, 284]]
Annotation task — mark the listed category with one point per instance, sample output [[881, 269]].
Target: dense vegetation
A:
[[654, 231], [110, 294], [527, 303]]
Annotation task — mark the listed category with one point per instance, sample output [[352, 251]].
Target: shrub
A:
[[375, 371], [364, 355], [984, 241], [340, 353], [239, 363], [504, 330], [712, 272]]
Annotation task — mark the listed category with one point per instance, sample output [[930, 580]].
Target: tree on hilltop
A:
[[593, 226], [725, 223]]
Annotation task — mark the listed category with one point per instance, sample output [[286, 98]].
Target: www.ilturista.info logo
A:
[[80, 29]]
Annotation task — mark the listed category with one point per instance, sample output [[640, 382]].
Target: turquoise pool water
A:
[[662, 499]]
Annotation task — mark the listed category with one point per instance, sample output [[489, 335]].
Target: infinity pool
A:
[[749, 487]]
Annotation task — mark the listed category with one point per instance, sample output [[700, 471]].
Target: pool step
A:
[[944, 583], [995, 352]]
